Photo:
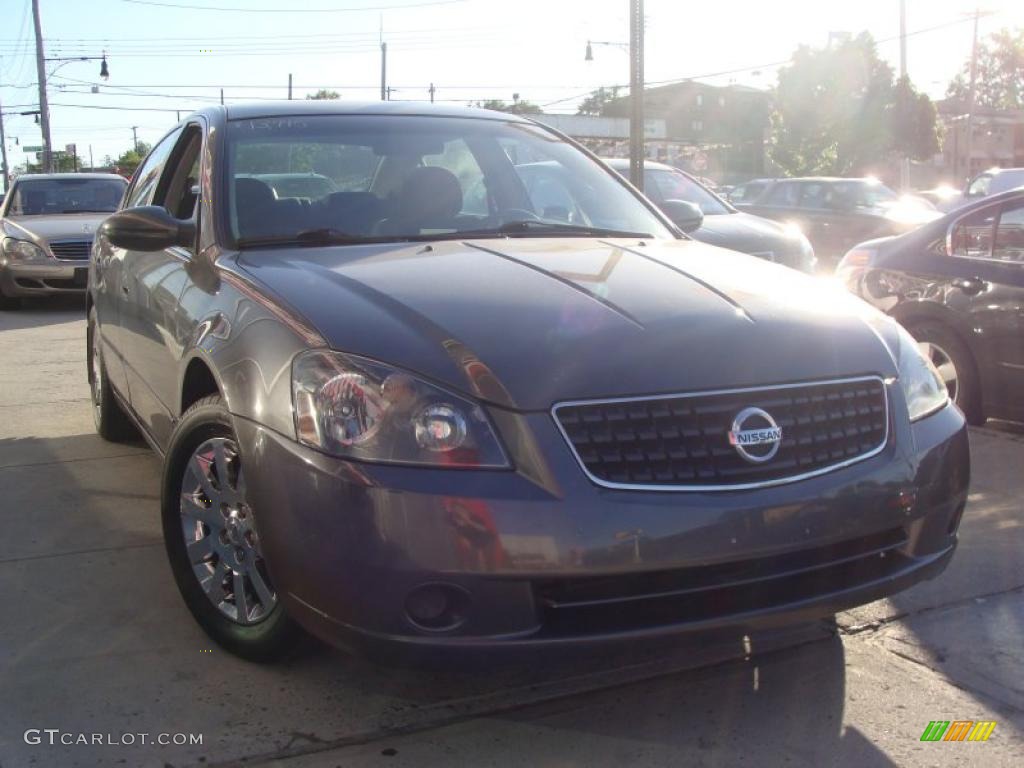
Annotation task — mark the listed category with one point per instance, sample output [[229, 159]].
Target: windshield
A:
[[865, 194], [413, 177], [663, 184], [40, 197]]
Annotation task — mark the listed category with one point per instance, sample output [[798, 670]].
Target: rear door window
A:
[[785, 194], [1009, 244], [972, 235]]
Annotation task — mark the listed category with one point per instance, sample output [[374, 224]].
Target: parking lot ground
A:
[[94, 639]]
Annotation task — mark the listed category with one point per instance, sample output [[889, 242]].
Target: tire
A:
[[110, 419], [203, 498], [947, 347]]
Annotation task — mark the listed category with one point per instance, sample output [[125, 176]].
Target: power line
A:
[[768, 65]]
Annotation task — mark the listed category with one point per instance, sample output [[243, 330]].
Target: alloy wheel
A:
[[96, 380], [944, 364], [220, 535]]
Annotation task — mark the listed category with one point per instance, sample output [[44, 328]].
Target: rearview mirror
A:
[[147, 228], [683, 214]]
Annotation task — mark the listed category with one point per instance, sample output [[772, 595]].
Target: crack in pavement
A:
[[448, 713], [48, 555], [877, 624], [139, 452]]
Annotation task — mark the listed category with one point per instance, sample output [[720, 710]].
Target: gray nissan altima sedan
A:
[[417, 407]]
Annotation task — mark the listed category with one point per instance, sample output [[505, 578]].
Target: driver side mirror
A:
[[148, 228], [685, 215]]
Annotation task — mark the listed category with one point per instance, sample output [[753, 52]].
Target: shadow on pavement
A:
[[35, 313]]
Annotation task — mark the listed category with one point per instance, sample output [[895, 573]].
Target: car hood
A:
[[63, 226], [746, 233], [525, 323]]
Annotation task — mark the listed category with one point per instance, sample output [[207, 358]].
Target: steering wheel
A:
[[518, 214]]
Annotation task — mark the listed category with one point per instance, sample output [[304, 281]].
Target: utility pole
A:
[[3, 145], [904, 161], [970, 92], [135, 138], [433, 90], [636, 93], [383, 71], [289, 86], [44, 105], [92, 165], [221, 95]]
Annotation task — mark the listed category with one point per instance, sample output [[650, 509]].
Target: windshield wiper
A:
[[530, 227], [322, 236]]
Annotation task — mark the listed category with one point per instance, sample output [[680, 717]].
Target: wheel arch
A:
[[199, 380]]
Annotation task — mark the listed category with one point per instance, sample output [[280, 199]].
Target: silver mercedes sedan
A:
[[47, 225]]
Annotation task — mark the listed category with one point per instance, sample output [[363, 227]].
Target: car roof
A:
[[71, 176], [1010, 194], [249, 111]]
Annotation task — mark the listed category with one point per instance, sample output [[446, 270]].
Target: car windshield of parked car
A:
[[863, 194], [402, 177], [672, 185], [41, 197]]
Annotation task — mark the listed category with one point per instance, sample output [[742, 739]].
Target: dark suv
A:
[[836, 214]]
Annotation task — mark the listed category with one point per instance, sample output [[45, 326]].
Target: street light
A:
[[65, 60], [635, 47]]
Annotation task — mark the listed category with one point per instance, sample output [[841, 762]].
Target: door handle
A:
[[972, 286]]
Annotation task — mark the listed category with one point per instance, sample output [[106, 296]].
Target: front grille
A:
[[71, 249], [682, 441], [623, 602]]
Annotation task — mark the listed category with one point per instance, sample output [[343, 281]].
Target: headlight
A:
[[352, 407], [923, 387], [22, 249]]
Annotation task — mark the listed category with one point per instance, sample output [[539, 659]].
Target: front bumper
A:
[[43, 278], [543, 557]]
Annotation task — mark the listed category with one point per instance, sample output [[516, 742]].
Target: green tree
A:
[[999, 80], [129, 160], [597, 102], [519, 107], [838, 111], [323, 94], [913, 122]]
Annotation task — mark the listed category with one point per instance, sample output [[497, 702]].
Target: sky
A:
[[169, 55]]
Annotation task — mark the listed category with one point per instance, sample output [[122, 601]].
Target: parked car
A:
[[47, 223], [415, 415], [990, 182], [748, 191], [957, 285], [722, 224], [836, 214]]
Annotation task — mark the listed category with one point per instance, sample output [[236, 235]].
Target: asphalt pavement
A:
[[94, 640]]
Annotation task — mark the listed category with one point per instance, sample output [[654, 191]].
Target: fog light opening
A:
[[437, 607]]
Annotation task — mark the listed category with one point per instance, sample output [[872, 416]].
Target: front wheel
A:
[[956, 366], [212, 540]]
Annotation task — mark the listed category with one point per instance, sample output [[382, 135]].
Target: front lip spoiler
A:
[[809, 609], [735, 487]]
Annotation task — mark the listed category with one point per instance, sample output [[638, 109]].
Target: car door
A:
[[110, 289], [155, 332], [990, 243], [1006, 308], [779, 202]]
